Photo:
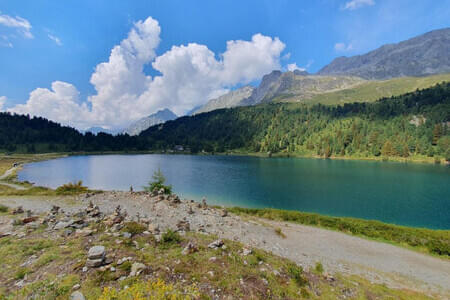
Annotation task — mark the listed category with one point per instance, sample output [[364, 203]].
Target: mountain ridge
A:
[[159, 117]]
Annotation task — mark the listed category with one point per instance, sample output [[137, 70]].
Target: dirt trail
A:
[[11, 185], [378, 262]]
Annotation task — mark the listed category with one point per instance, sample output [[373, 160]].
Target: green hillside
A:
[[371, 90], [411, 125]]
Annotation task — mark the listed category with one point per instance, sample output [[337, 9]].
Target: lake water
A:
[[407, 194]]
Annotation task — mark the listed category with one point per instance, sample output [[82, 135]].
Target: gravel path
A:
[[378, 262], [11, 185]]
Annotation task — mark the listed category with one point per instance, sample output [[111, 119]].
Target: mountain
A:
[[386, 127], [278, 86], [97, 130], [420, 56], [231, 99], [157, 118]]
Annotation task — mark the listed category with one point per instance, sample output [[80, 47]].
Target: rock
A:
[[84, 232], [94, 263], [84, 270], [126, 235], [212, 259], [18, 210], [216, 244], [246, 251], [224, 213], [190, 248], [67, 232], [204, 205], [62, 224], [76, 287], [183, 225], [97, 252], [54, 210], [123, 259], [77, 295], [154, 229], [136, 269]]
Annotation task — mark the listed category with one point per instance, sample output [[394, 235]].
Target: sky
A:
[[110, 62]]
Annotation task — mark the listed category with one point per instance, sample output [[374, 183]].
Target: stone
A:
[[154, 229], [18, 210], [97, 252], [204, 205], [136, 269], [123, 259], [246, 251], [216, 244], [77, 295], [212, 259], [183, 225], [76, 287], [62, 224], [190, 248], [126, 235], [224, 213], [67, 232], [94, 263]]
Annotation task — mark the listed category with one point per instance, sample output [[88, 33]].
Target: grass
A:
[[59, 261], [372, 90], [71, 188], [435, 242], [279, 232]]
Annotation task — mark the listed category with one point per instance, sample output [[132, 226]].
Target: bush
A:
[[279, 232], [158, 183], [170, 237], [134, 228], [71, 188], [319, 268], [296, 273], [3, 208]]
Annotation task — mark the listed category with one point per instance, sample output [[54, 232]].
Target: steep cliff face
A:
[[423, 55]]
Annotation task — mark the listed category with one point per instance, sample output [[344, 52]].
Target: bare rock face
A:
[[423, 55]]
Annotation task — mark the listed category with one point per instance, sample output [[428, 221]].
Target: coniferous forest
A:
[[412, 124]]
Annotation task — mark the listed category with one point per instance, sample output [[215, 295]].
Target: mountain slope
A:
[[159, 117], [384, 127], [231, 99], [422, 55], [371, 90]]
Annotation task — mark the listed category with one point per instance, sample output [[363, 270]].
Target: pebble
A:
[[77, 295]]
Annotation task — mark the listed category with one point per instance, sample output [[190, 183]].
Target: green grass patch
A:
[[432, 241]]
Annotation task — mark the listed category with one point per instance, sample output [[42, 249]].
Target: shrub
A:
[[72, 188], [279, 232], [134, 228], [319, 268], [158, 183], [3, 208], [296, 273], [170, 237]]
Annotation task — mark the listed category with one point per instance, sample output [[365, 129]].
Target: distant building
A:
[[179, 148]]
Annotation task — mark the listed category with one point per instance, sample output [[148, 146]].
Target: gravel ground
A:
[[378, 262]]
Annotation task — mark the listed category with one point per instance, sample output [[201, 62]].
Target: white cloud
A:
[[20, 24], [293, 67], [190, 75], [2, 101], [55, 39], [342, 47], [355, 4]]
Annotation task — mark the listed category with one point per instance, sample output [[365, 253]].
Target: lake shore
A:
[[339, 253]]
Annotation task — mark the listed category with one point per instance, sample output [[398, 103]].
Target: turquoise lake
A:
[[399, 193]]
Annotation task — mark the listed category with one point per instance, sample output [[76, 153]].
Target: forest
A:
[[412, 124]]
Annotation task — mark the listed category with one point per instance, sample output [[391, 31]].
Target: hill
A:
[[420, 56], [414, 124]]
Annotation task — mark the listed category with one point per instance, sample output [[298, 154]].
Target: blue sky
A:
[[42, 42]]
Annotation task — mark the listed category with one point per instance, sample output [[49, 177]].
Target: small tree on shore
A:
[[157, 183]]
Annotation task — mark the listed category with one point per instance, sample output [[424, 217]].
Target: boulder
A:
[[77, 295], [190, 248], [97, 252], [216, 244], [137, 268]]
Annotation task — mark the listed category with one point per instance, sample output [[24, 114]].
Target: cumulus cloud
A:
[[190, 75], [355, 4], [18, 23], [55, 39], [293, 67], [342, 47]]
